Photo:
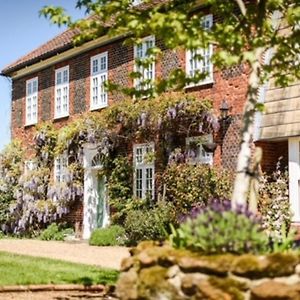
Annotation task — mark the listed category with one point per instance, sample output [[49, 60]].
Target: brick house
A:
[[58, 82]]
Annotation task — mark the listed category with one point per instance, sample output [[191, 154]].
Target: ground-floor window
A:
[[143, 170], [196, 153]]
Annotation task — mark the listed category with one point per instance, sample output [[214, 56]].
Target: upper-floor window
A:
[[32, 101], [99, 75], [61, 92], [199, 60], [61, 168], [147, 73], [144, 170], [195, 151]]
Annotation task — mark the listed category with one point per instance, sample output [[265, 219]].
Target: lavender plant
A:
[[217, 229]]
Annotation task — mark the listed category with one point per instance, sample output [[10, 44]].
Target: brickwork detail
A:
[[46, 83], [119, 56], [79, 73], [232, 72], [170, 61], [231, 144]]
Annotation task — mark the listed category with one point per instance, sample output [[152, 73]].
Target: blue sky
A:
[[21, 31]]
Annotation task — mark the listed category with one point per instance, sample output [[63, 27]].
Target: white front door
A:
[[95, 207]]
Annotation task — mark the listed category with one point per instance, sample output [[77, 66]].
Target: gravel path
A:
[[78, 252]]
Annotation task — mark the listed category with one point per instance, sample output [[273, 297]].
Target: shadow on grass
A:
[[102, 278]]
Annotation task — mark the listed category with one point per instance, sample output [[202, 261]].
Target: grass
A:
[[23, 270]]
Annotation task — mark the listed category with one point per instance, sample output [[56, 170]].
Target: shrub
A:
[[188, 185], [219, 229], [149, 223], [110, 236], [55, 232]]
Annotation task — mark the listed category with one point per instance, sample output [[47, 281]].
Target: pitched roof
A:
[[58, 44]]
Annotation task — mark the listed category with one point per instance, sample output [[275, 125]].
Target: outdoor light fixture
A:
[[224, 109]]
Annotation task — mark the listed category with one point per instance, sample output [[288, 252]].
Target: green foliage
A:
[[216, 230], [244, 29], [111, 236], [120, 188], [149, 223], [189, 185], [55, 232]]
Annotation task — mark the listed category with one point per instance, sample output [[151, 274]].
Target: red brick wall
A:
[[229, 84], [272, 151]]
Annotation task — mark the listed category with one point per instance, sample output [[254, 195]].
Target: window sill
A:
[[98, 107], [61, 117], [30, 124], [199, 84]]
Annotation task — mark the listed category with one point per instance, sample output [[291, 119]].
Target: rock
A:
[[215, 265], [146, 260], [127, 263], [190, 282], [173, 271], [127, 286], [297, 269], [272, 290], [273, 265], [208, 292]]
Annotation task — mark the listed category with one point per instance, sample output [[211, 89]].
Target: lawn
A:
[[22, 270]]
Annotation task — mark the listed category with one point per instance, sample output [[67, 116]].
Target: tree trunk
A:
[[243, 170]]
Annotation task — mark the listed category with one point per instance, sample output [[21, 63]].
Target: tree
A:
[[247, 31]]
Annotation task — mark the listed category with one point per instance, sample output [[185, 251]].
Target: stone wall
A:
[[160, 272]]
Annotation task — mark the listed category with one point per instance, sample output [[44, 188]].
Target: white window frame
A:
[[31, 111], [151, 68], [98, 93], [142, 189], [61, 168], [201, 156], [203, 65], [62, 93]]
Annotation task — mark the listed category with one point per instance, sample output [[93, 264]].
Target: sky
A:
[[21, 31]]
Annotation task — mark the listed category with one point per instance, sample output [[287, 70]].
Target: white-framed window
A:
[[143, 160], [200, 59], [195, 151], [29, 165], [147, 73], [136, 2], [99, 75], [61, 92], [32, 101], [61, 168]]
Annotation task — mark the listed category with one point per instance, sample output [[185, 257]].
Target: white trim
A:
[[143, 47], [62, 93], [200, 156], [199, 65], [98, 76], [145, 170], [294, 177], [31, 103]]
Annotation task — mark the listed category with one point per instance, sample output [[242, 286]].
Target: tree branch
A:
[[242, 6]]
